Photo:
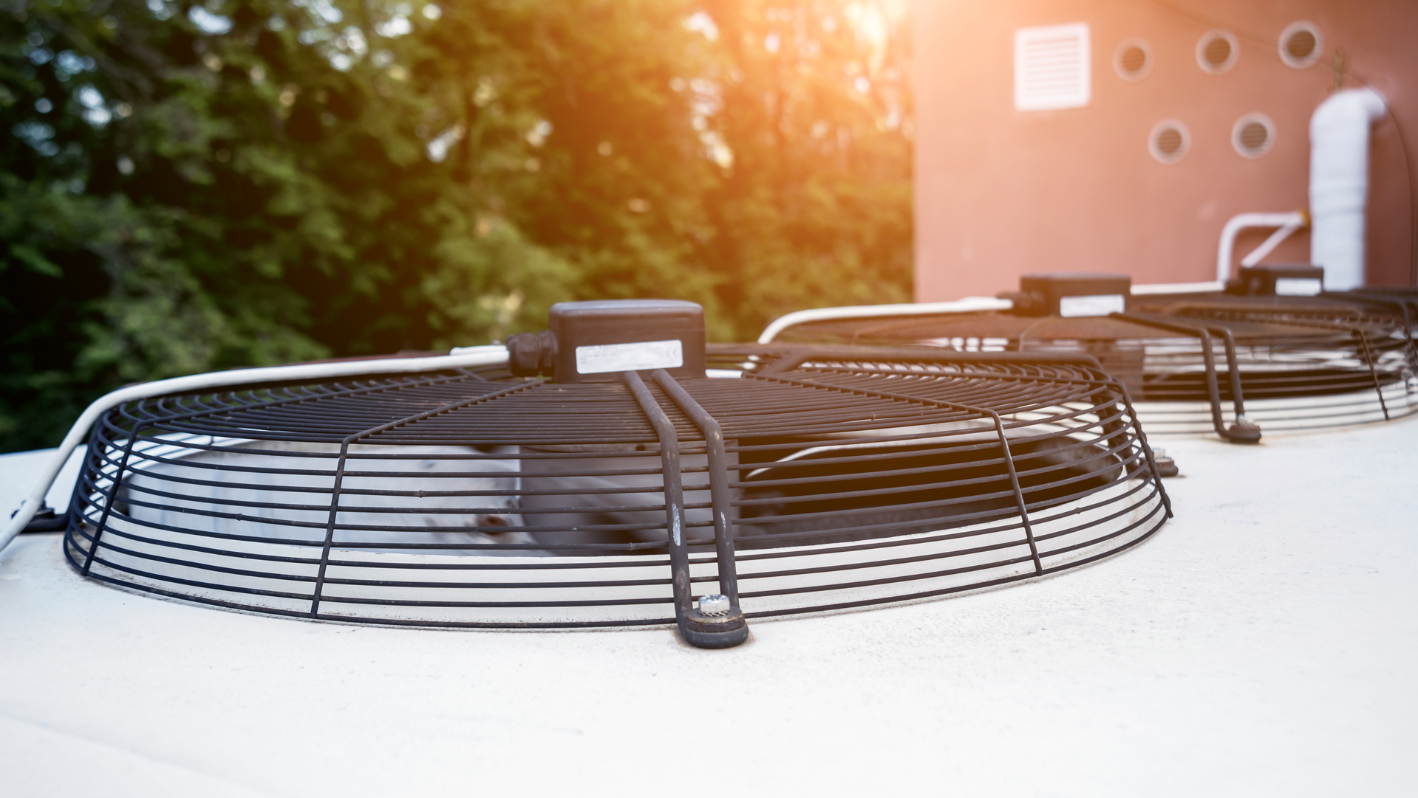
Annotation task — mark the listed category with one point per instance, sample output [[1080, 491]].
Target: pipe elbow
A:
[[1344, 108]]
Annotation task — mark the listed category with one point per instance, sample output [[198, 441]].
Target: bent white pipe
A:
[[1268, 245], [968, 305], [1339, 184], [1287, 222], [467, 357]]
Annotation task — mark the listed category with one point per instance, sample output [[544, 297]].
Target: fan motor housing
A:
[[1280, 280], [1073, 294], [596, 341]]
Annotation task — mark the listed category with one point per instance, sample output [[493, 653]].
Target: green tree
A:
[[242, 182], [189, 190], [813, 105]]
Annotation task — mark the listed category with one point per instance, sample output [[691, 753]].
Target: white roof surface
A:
[[1263, 643]]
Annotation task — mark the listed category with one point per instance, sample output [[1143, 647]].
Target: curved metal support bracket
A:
[[1243, 430], [697, 629]]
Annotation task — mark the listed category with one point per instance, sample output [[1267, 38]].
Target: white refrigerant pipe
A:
[[972, 304], [1339, 184], [1286, 222], [467, 357]]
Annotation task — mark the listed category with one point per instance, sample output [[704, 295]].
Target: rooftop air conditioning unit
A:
[[1193, 361], [612, 471]]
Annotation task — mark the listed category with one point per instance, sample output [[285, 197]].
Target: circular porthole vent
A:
[[1133, 59], [1169, 141], [1253, 135], [1300, 44], [1217, 51]]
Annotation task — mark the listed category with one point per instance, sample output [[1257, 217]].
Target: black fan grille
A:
[[481, 501], [1299, 363]]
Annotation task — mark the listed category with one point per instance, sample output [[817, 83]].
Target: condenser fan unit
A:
[[1308, 357], [1230, 362], [614, 471]]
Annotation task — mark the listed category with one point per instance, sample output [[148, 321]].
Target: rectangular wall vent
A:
[[1051, 67]]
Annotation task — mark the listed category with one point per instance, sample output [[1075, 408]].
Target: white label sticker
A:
[[1298, 286], [629, 357], [1096, 305]]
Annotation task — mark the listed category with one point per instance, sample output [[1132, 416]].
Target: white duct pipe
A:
[[1339, 184], [1287, 222], [968, 305], [1269, 245], [467, 357]]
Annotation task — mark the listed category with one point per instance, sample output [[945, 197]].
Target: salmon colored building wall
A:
[[1001, 192]]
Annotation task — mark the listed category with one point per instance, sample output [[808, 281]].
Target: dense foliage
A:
[[189, 187]]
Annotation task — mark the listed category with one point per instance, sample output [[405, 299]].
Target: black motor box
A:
[[596, 341], [1073, 294], [1278, 280]]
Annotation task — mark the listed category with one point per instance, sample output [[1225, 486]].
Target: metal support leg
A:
[[695, 627], [1243, 430], [713, 629]]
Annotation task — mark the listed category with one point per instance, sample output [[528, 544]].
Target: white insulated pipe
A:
[[467, 357], [1339, 184], [1287, 222], [972, 304]]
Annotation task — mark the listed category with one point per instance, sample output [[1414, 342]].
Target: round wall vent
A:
[[1253, 135], [1133, 59], [1169, 141], [1217, 51], [1300, 44]]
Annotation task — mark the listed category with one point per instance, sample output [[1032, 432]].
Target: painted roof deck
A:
[[1261, 644]]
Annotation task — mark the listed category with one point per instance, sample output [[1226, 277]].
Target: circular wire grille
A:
[[1299, 363], [478, 500]]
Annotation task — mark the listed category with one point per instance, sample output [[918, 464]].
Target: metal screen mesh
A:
[[847, 478], [1198, 362]]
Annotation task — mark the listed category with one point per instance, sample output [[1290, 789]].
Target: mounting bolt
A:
[[1166, 466], [713, 623], [1244, 430], [714, 605]]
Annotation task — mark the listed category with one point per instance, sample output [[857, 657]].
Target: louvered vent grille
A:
[[1168, 141], [1217, 51], [1051, 67], [1300, 44], [1134, 59], [1253, 135]]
